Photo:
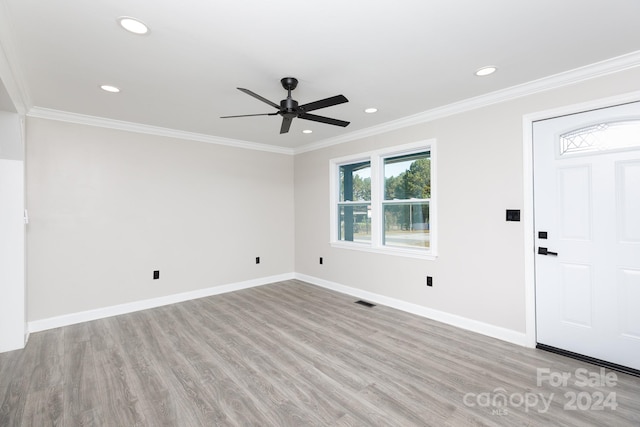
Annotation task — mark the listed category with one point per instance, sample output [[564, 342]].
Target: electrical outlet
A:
[[257, 260], [429, 281], [156, 274], [320, 260]]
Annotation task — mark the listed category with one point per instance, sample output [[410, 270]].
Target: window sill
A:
[[407, 253]]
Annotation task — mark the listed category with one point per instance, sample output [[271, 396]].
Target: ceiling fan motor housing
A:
[[289, 107]]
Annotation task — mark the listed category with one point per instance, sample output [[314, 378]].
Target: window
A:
[[407, 192], [384, 201], [355, 202], [601, 137]]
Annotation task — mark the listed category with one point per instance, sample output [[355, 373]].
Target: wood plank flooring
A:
[[292, 354]]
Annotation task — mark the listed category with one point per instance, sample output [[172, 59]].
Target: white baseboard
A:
[[504, 334], [519, 338], [100, 313]]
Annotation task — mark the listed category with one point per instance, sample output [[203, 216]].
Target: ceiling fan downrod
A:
[[288, 106]]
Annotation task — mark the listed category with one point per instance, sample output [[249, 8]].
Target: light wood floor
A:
[[291, 354]]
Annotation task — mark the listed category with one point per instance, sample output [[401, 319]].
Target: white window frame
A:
[[377, 196]]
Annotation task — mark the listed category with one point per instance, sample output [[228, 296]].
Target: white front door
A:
[[587, 225]]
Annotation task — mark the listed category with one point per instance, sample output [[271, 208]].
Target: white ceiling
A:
[[403, 57]]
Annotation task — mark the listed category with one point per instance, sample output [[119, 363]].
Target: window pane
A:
[[355, 223], [406, 225], [601, 137], [355, 182], [407, 177]]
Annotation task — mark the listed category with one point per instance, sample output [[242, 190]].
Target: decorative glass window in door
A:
[[601, 137]]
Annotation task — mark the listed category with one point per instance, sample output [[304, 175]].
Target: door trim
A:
[[527, 217]]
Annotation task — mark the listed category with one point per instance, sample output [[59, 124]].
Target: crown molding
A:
[[588, 72], [82, 119], [566, 78]]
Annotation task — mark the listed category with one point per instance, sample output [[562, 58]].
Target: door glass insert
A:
[[601, 137]]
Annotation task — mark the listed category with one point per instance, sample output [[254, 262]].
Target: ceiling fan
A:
[[289, 108]]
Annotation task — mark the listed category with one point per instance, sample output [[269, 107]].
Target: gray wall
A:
[[108, 207], [11, 145], [479, 273]]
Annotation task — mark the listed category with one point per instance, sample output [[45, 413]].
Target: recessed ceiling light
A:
[[485, 71], [370, 110], [133, 25], [307, 131], [109, 88]]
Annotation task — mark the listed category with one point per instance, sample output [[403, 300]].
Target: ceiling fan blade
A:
[[286, 124], [323, 103], [255, 95], [323, 119], [249, 115]]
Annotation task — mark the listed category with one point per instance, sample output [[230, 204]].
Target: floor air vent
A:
[[366, 304]]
